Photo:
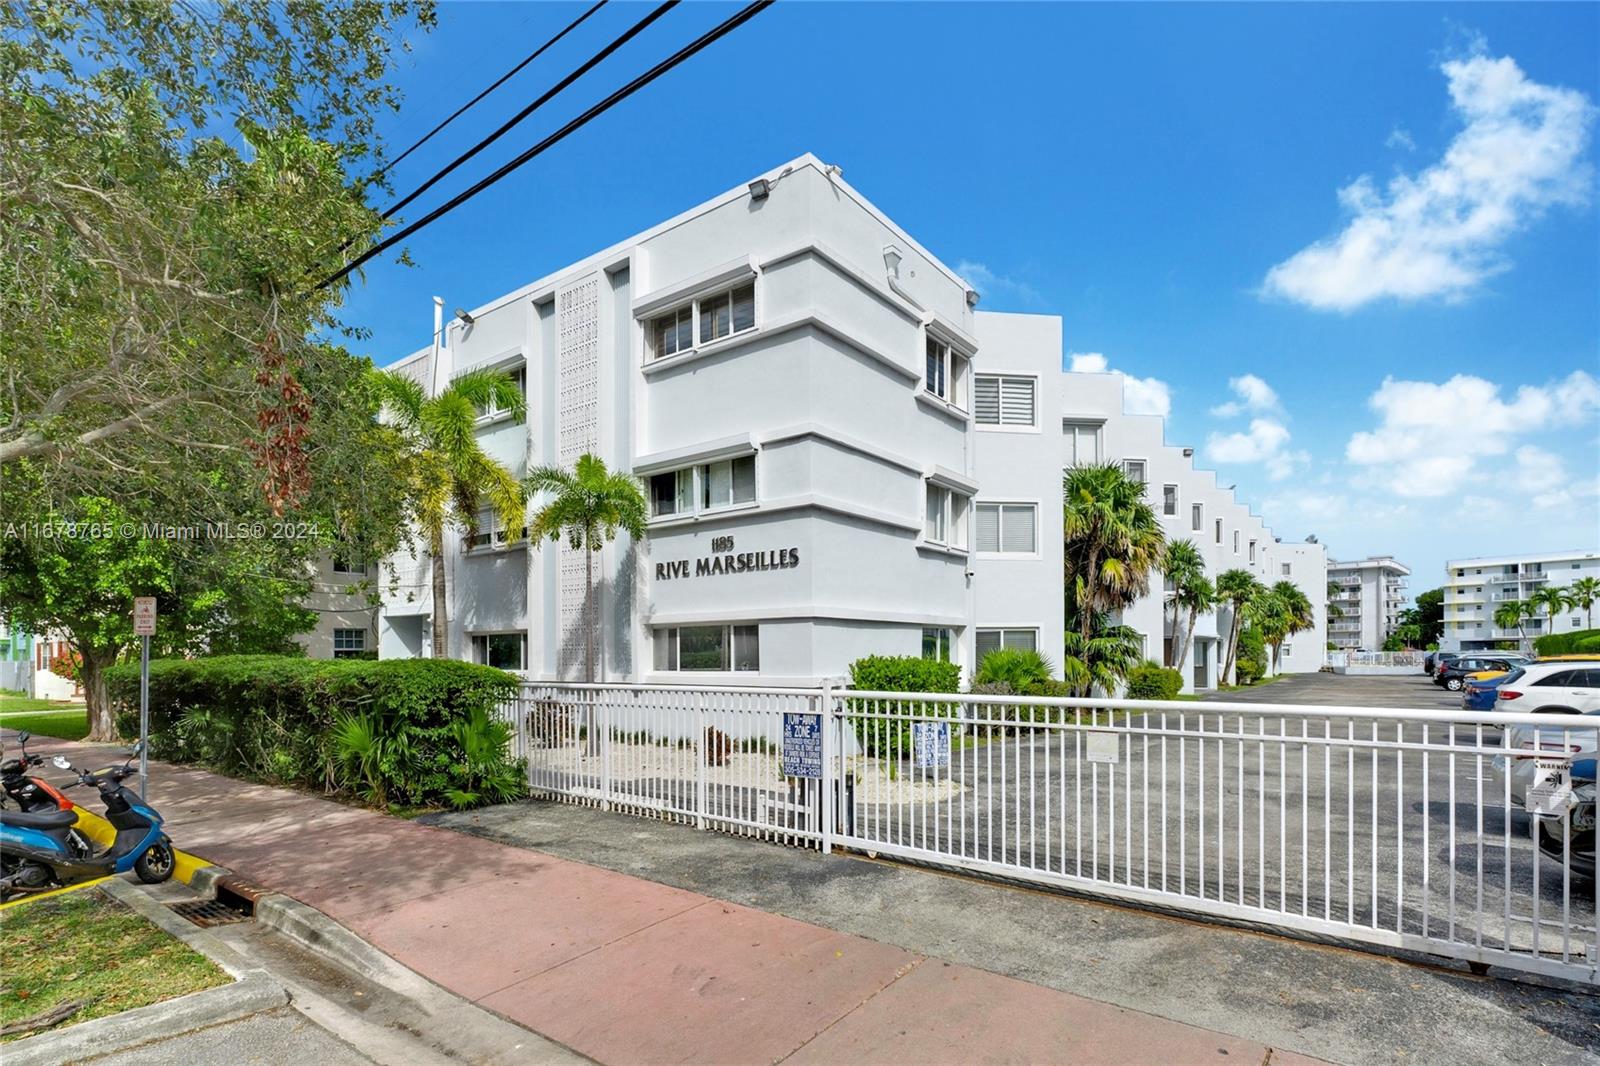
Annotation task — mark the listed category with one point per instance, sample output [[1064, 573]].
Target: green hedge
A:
[[898, 673], [1152, 681], [1578, 642], [414, 732], [1251, 663]]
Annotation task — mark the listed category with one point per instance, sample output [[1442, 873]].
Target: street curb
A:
[[157, 1021]]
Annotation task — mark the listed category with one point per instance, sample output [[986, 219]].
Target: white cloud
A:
[[988, 283], [1400, 138], [1253, 395], [1140, 396], [1438, 233], [1265, 442], [1430, 436]]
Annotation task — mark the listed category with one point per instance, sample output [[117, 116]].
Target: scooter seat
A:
[[55, 819]]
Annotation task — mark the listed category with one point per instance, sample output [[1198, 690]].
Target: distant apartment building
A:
[[1368, 596], [345, 597], [1475, 588]]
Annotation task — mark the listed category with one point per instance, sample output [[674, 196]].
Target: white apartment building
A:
[[1370, 595], [343, 595], [842, 456], [1474, 588]]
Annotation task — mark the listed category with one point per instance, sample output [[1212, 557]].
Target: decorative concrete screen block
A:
[[578, 355]]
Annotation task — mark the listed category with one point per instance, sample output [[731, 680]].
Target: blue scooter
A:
[[39, 851]]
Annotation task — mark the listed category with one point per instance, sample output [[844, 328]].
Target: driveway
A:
[[1398, 691]]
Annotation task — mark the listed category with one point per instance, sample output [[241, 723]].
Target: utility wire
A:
[[705, 40], [574, 24], [593, 61]]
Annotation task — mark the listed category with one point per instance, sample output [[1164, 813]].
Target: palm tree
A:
[[1181, 565], [1101, 660], [449, 476], [1584, 591], [1237, 588], [1197, 596], [1113, 541], [1335, 590], [1553, 598], [589, 504], [1281, 612], [1510, 615]]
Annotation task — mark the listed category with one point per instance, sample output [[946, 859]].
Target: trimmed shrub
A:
[[1578, 642], [1252, 660], [1152, 681], [416, 732], [1017, 667], [898, 673]]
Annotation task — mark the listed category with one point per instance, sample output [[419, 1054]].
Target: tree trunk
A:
[[588, 647], [1170, 652], [1233, 646], [1188, 640], [102, 723], [441, 613], [1086, 610]]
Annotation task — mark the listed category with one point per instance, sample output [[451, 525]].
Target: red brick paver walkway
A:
[[630, 971]]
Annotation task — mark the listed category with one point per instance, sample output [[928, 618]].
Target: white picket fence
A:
[[1380, 827]]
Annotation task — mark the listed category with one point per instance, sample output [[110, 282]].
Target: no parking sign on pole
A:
[[144, 627]]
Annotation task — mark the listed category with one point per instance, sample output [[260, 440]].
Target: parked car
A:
[[1434, 659], [1554, 836], [1452, 675], [1563, 687], [1481, 690]]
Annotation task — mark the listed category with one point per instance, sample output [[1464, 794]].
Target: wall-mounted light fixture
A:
[[1188, 453], [760, 189], [972, 297], [464, 317]]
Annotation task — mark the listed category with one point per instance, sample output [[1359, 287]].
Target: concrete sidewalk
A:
[[626, 970]]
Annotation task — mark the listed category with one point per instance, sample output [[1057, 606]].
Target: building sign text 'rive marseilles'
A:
[[724, 561]]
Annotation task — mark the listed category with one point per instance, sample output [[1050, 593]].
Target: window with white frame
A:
[[1252, 551], [1007, 528], [1004, 400], [989, 640], [702, 321], [1197, 517], [519, 380], [1219, 531], [944, 517], [1083, 442], [707, 649], [504, 651], [349, 643], [490, 531], [936, 644], [1135, 470], [1169, 500], [704, 487], [945, 372]]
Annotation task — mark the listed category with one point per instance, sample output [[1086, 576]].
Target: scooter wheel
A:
[[156, 864]]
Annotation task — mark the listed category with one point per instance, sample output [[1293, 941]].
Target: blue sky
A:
[[1353, 249]]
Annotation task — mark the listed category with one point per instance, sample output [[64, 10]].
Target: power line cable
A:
[[703, 41], [593, 61], [535, 54]]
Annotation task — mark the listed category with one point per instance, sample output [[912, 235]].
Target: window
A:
[[1003, 400], [1083, 442], [1007, 528], [945, 517], [1135, 469], [1169, 500], [719, 315], [1252, 551], [945, 372], [708, 649], [1197, 517], [936, 644], [519, 379], [994, 639], [724, 483], [349, 643], [1236, 542], [349, 566], [1561, 679], [490, 531], [504, 651], [1285, 570], [1219, 531]]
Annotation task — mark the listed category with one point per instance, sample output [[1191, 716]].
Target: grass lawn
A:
[[68, 724], [86, 946], [14, 702]]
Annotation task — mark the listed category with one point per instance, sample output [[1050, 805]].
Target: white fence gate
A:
[[1393, 828]]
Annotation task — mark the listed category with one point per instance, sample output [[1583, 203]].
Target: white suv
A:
[[1559, 689]]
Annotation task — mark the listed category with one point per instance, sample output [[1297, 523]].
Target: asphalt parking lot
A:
[[1396, 691]]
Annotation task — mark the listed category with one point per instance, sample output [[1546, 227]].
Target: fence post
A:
[[829, 775], [603, 725], [700, 760]]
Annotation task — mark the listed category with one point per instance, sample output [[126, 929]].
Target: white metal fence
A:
[[1392, 828], [1374, 658]]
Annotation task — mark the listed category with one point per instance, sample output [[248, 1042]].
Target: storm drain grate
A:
[[208, 912]]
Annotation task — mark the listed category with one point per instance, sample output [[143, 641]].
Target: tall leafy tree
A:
[[1191, 594], [1427, 615], [1584, 591], [1512, 614], [1238, 589], [1552, 599], [1197, 596], [1281, 612], [587, 506], [1335, 590], [1113, 542], [448, 474]]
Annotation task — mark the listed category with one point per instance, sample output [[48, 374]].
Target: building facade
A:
[[1475, 588], [842, 457], [1369, 594], [344, 596]]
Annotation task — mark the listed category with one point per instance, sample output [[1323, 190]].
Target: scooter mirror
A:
[[60, 762], [24, 736]]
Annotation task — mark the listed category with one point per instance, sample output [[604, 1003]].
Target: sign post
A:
[[144, 626]]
